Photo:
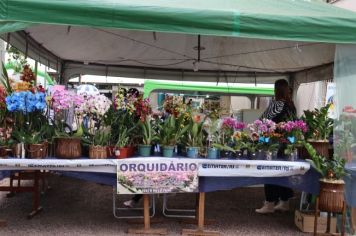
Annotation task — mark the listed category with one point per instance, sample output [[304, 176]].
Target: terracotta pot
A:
[[97, 152], [121, 153], [331, 197], [68, 148], [37, 151]]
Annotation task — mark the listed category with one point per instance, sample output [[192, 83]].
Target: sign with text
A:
[[251, 168], [156, 175]]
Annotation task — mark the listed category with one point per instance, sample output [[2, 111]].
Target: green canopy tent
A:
[[265, 19], [252, 40]]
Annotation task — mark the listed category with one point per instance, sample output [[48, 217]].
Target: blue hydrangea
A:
[[25, 102]]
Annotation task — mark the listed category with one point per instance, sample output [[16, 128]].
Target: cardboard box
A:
[[305, 222]]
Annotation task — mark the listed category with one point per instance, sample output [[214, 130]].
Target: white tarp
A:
[[247, 168]]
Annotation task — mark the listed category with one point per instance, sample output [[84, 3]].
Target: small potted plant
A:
[[260, 139], [98, 147], [212, 129], [148, 137], [236, 146], [68, 137], [170, 133], [227, 129], [293, 133], [319, 128], [332, 171], [194, 136], [122, 151]]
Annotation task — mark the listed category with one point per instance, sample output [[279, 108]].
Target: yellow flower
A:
[[22, 86]]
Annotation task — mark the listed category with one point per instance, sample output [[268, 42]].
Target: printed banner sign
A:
[[330, 93], [254, 168], [157, 175]]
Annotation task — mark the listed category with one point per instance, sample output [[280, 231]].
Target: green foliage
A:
[[148, 133], [35, 137], [223, 147], [319, 124], [172, 130], [101, 137], [124, 120], [333, 168], [17, 59], [109, 116], [123, 138], [213, 131], [195, 134], [5, 81], [252, 146]]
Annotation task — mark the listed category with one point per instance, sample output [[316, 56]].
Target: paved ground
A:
[[75, 207]]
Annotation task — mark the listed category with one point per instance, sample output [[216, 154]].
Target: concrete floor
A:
[[76, 207]]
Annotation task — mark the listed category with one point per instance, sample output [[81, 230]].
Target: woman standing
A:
[[281, 109]]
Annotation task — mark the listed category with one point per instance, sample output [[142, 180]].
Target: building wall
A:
[[346, 4]]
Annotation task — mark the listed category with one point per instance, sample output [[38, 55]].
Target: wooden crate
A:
[[305, 222]]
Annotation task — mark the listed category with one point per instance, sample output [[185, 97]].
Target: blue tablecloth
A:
[[309, 182], [350, 184]]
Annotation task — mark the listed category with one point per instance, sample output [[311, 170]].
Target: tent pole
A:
[[36, 71]]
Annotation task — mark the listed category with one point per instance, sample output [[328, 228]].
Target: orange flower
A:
[[21, 86]]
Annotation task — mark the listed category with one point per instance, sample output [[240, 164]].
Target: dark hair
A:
[[282, 90]]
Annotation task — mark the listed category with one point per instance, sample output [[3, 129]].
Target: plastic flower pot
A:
[[252, 155], [239, 154], [168, 151], [144, 150], [213, 153], [225, 154], [121, 153], [192, 152]]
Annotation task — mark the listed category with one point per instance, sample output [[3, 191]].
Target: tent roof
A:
[[136, 38], [301, 20]]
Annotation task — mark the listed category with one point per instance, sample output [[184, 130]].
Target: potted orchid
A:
[[194, 136], [148, 137], [130, 109], [95, 109], [68, 128], [232, 132], [294, 135], [171, 132], [320, 126], [212, 129], [228, 128], [122, 150], [261, 131], [27, 108]]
